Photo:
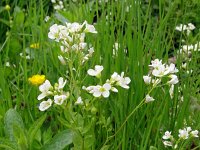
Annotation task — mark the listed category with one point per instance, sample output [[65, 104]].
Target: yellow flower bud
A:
[[7, 7], [35, 45]]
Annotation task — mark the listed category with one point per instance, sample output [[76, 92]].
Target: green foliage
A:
[[59, 141], [144, 31]]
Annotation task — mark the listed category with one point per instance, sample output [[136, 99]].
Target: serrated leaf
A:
[[12, 118], [60, 141], [35, 127]]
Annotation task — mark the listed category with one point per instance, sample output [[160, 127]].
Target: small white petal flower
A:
[[183, 134], [95, 72], [89, 28], [61, 83], [101, 90], [123, 81], [45, 105], [45, 89], [191, 26], [79, 101], [174, 79], [59, 99], [194, 133], [167, 143], [147, 79], [167, 135], [156, 63], [148, 98]]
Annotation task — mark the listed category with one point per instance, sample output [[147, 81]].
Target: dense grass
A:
[[144, 32]]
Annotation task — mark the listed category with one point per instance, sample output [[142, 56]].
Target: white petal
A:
[[41, 96], [92, 72], [97, 94], [106, 94], [107, 86]]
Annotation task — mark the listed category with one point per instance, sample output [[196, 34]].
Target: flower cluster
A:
[[72, 38], [184, 134], [49, 91], [159, 71], [187, 49], [58, 5], [104, 90], [188, 28]]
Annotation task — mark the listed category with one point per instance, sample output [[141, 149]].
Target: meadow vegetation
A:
[[99, 74]]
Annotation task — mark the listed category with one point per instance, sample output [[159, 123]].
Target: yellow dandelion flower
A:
[[7, 7], [35, 45], [37, 79]]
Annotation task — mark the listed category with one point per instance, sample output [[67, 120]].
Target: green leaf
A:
[[5, 143], [60, 141], [152, 148], [35, 127], [12, 118], [20, 137], [105, 147], [18, 17]]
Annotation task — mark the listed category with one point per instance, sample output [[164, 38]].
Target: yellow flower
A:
[[7, 7], [37, 79], [35, 45]]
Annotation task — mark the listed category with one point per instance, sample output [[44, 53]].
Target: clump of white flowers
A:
[[184, 134], [159, 72], [188, 28], [188, 49], [55, 94], [58, 4], [110, 85], [72, 39]]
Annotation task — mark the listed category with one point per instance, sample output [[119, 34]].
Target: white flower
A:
[[45, 105], [148, 98], [79, 101], [194, 133], [62, 60], [171, 69], [114, 78], [95, 72], [45, 89], [123, 81], [61, 83], [74, 27], [191, 26], [59, 99], [102, 90], [159, 71], [156, 63], [167, 143], [46, 19], [174, 79], [89, 28], [171, 91], [167, 135], [54, 32], [181, 27], [147, 79], [183, 134]]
